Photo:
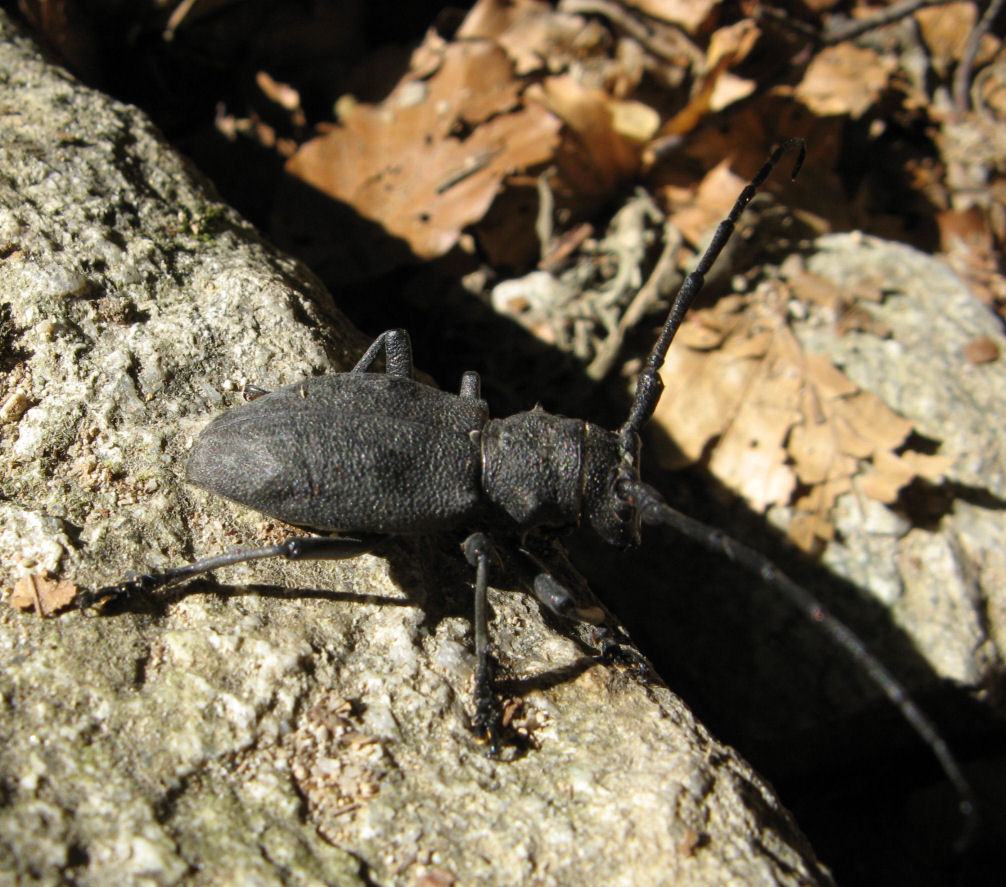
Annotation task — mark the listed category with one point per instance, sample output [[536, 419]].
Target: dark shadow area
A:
[[157, 602], [862, 784], [10, 353]]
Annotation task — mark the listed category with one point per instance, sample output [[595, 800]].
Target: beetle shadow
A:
[[766, 680], [156, 603], [437, 579]]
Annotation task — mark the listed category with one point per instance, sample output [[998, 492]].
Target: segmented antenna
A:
[[648, 385], [652, 509]]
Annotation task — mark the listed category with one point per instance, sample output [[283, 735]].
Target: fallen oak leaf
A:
[[709, 203], [534, 34], [430, 159], [890, 474], [817, 454], [811, 525], [607, 136], [844, 80], [691, 15], [42, 593], [874, 420], [775, 424], [735, 403], [894, 471]]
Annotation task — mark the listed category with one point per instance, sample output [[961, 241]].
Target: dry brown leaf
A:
[[710, 203], [689, 14], [532, 33], [815, 289], [946, 30], [770, 419], [733, 43], [704, 390], [817, 453], [875, 421], [981, 350], [700, 337], [740, 398], [890, 474], [729, 90], [635, 121], [607, 156], [750, 456], [699, 105], [811, 524], [41, 593], [844, 80], [827, 379], [932, 468], [430, 159]]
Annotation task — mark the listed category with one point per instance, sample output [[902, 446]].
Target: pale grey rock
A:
[[301, 724], [945, 585]]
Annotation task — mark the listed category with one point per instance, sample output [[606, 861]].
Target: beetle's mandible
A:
[[372, 454]]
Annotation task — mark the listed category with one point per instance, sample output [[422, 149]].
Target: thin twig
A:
[[647, 296], [846, 29], [546, 206], [634, 25], [839, 28], [962, 76]]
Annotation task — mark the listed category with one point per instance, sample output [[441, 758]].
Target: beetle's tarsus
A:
[[142, 583], [486, 724]]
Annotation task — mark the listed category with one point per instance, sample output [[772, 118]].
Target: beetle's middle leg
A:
[[478, 552]]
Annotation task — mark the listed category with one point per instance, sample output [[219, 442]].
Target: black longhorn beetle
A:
[[377, 454]]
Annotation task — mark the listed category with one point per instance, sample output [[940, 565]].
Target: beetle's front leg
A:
[[478, 551], [555, 596]]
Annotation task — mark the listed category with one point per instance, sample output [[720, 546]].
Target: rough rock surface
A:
[[294, 724], [945, 584]]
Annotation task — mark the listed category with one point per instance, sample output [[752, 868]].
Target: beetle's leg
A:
[[556, 597], [560, 601], [397, 349], [471, 385], [550, 591], [295, 548], [254, 392], [478, 551]]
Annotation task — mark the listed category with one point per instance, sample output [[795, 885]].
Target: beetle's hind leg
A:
[[397, 349], [295, 548]]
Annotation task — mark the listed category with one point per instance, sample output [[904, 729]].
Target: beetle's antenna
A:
[[649, 386], [654, 510]]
